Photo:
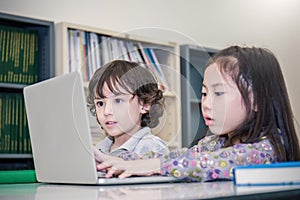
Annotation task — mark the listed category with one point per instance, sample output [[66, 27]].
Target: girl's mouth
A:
[[208, 120]]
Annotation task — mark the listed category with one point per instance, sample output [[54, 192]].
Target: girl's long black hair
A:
[[260, 80]]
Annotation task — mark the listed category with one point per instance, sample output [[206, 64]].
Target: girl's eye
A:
[[219, 93], [99, 103], [204, 94]]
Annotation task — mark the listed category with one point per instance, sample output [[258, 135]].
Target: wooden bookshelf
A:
[[166, 54], [27, 56]]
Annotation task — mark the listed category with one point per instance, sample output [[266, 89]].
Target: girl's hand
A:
[[117, 166]]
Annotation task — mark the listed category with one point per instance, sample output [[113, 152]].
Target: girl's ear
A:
[[145, 108]]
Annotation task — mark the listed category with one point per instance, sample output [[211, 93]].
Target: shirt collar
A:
[[129, 145]]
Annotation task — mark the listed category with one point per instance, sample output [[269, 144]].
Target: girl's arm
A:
[[198, 165], [194, 163], [126, 168]]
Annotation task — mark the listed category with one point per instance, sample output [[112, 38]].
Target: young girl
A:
[[246, 107], [127, 102]]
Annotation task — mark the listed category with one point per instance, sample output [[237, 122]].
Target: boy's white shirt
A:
[[140, 143]]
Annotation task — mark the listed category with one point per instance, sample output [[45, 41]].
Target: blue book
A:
[[282, 173]]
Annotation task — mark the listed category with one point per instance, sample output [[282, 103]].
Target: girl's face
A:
[[222, 104], [119, 114]]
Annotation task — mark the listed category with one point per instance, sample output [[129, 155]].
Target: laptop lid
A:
[[59, 130]]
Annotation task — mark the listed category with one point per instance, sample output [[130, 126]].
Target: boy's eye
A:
[[99, 103], [118, 100]]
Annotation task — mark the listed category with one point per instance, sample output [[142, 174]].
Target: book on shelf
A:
[[124, 53], [149, 58], [13, 125], [105, 47], [282, 173], [18, 55], [157, 67], [94, 53], [134, 52], [84, 52]]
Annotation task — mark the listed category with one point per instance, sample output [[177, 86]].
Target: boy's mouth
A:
[[110, 123]]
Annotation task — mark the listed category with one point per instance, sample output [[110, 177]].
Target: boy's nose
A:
[[108, 108]]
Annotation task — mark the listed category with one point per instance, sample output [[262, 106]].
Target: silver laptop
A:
[[60, 134]]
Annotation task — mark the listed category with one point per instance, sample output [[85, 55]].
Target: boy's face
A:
[[222, 104], [119, 115]]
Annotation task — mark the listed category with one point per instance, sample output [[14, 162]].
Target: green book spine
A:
[[18, 176], [1, 122]]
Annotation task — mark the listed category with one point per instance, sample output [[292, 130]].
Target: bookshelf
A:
[[26, 57], [192, 62], [114, 45]]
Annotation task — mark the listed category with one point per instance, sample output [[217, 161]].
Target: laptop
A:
[[60, 134]]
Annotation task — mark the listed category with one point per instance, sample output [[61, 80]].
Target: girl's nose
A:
[[206, 102]]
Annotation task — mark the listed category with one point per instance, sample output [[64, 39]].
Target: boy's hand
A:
[[99, 156]]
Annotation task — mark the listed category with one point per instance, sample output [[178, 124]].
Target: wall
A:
[[214, 23]]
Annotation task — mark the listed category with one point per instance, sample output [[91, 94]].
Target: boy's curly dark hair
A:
[[136, 79]]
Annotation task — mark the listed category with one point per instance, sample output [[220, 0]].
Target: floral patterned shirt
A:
[[209, 160]]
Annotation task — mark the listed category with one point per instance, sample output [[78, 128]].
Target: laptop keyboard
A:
[[101, 174]]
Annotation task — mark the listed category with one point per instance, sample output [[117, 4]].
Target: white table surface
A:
[[44, 191]]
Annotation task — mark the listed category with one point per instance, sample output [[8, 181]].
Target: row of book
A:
[[18, 55], [89, 51], [14, 134]]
